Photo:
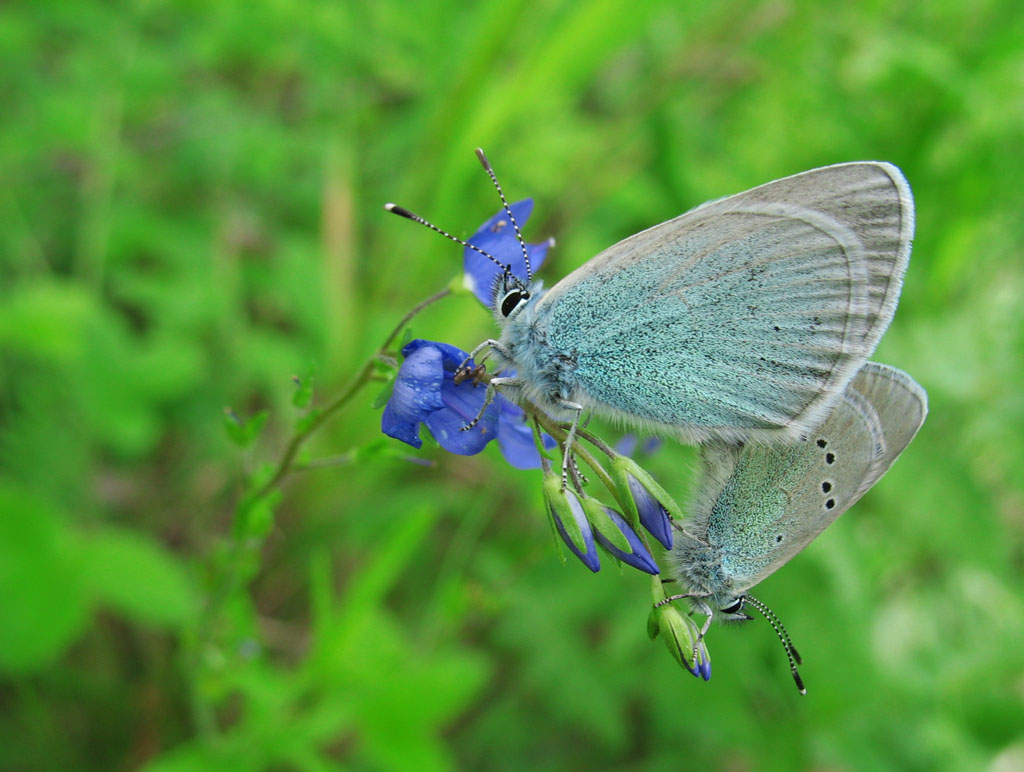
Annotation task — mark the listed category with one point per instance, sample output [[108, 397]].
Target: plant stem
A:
[[225, 584], [295, 444]]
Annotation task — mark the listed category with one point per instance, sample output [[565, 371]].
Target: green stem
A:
[[365, 375], [561, 434], [226, 584]]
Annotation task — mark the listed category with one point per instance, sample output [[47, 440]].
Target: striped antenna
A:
[[403, 212], [508, 210]]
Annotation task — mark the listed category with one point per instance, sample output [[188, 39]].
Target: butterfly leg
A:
[[489, 397], [491, 344], [570, 438], [709, 614]]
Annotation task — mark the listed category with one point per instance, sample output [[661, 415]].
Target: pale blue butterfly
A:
[[742, 319], [757, 506]]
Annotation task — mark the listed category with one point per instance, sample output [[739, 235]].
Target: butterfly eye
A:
[[512, 300], [733, 608]]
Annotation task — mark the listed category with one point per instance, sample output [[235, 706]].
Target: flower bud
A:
[[649, 503], [570, 521], [615, 535]]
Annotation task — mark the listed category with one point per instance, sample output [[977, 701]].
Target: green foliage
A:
[[192, 213], [45, 602]]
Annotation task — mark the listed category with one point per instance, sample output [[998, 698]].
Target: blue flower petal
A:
[[652, 445], [462, 404], [588, 558], [394, 425], [639, 558], [451, 356], [627, 445], [425, 392], [653, 516], [416, 394], [704, 666], [515, 437], [446, 426], [498, 238]]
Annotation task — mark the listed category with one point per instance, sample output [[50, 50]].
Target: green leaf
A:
[[244, 432], [234, 426], [407, 336], [254, 426], [259, 517], [304, 390], [46, 319], [132, 574], [303, 424], [44, 607], [383, 395]]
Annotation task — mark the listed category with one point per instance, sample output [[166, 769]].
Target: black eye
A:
[[734, 608], [511, 300]]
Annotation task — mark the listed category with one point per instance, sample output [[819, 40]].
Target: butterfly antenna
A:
[[791, 653], [401, 211], [508, 210]]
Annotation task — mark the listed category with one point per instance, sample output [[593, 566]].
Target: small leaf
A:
[[241, 432], [234, 426], [255, 512], [44, 608], [304, 391], [303, 424], [383, 395], [254, 426], [134, 575], [260, 517]]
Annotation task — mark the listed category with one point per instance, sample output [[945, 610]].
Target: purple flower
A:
[[704, 661], [497, 237], [638, 557], [565, 505], [425, 392], [683, 639], [653, 515]]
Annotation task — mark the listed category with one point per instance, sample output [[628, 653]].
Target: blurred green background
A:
[[191, 213]]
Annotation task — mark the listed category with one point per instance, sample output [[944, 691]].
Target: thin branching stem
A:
[[365, 375], [226, 582]]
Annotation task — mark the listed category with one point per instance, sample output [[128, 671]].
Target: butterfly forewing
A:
[[874, 200], [744, 317]]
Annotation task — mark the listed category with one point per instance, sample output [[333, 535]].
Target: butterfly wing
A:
[[744, 317], [901, 405], [760, 505], [874, 200]]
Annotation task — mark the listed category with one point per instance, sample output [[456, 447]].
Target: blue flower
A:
[[497, 237], [703, 664], [682, 637], [653, 515], [425, 392], [571, 522], [515, 438], [629, 443], [638, 557]]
